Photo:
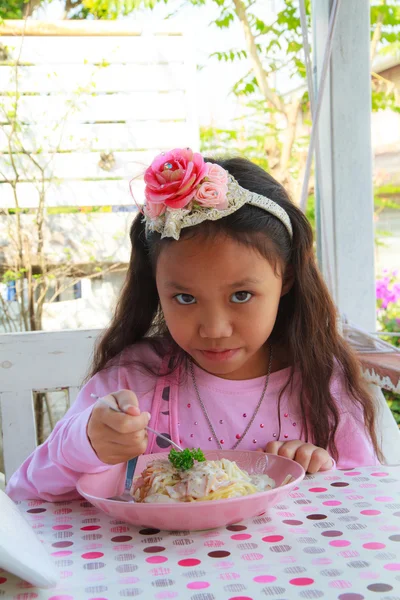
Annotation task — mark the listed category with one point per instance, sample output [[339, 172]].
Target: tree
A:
[[28, 262], [74, 9]]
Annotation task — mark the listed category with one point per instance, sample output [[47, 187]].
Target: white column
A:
[[344, 195]]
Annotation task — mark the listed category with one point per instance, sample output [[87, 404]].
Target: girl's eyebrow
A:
[[245, 282], [237, 284]]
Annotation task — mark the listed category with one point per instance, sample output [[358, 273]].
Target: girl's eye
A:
[[241, 297], [185, 299]]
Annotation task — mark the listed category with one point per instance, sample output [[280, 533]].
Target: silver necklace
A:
[[249, 424]]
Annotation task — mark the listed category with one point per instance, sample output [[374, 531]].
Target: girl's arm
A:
[[53, 469], [352, 441], [51, 472]]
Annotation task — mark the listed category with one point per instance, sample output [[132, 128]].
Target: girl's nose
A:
[[215, 325]]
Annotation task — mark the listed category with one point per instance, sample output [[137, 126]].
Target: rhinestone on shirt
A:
[[252, 418]]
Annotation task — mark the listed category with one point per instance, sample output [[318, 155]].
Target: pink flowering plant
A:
[[388, 313], [182, 179]]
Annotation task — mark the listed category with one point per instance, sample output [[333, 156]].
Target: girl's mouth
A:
[[219, 355]]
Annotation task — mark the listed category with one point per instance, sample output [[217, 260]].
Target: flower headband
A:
[[183, 190]]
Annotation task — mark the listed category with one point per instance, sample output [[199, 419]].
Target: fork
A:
[[131, 465]]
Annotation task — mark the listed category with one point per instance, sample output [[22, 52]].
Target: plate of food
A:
[[190, 490]]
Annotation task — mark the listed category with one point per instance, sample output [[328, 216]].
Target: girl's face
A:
[[220, 300]]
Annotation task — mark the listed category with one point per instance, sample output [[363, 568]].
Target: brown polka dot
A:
[[316, 517], [219, 554], [35, 511], [340, 484], [332, 533], [395, 538], [379, 587], [62, 544], [149, 531], [121, 538], [153, 549], [161, 443], [292, 522], [236, 527]]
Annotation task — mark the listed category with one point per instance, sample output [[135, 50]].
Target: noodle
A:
[[205, 481]]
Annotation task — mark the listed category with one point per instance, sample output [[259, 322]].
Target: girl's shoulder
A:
[[140, 365]]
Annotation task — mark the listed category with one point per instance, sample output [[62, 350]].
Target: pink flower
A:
[[212, 195], [173, 177], [153, 210], [217, 174]]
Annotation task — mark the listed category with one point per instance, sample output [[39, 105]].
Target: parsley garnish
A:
[[185, 460]]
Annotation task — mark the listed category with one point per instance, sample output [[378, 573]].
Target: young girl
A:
[[224, 337]]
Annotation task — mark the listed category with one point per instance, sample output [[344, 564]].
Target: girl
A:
[[224, 332]]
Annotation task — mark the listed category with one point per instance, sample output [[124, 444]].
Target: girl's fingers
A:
[[320, 461], [121, 422], [285, 449]]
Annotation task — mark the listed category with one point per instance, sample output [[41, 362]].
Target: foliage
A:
[[185, 460], [388, 312]]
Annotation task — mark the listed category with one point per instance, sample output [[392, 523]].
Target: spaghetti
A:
[[208, 480]]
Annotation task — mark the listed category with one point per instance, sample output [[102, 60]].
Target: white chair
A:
[[37, 361], [41, 361]]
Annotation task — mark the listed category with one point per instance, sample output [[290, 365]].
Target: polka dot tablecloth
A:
[[337, 536]]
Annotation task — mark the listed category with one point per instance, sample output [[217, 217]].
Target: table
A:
[[336, 537]]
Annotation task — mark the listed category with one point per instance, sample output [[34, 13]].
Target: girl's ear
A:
[[288, 280]]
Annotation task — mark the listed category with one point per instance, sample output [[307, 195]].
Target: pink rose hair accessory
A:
[[182, 190]]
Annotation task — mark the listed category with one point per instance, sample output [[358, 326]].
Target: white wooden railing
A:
[[31, 362]]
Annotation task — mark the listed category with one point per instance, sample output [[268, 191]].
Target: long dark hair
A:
[[306, 324]]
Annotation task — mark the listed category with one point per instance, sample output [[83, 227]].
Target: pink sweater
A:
[[52, 470]]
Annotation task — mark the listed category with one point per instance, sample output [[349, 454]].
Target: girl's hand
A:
[[117, 437], [310, 457]]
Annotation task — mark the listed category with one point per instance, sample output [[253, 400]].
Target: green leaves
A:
[[185, 460]]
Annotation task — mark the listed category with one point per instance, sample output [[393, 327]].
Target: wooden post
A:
[[344, 196]]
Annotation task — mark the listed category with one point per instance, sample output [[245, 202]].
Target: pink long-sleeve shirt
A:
[[53, 469]]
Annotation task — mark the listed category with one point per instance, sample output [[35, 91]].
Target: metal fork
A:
[[131, 465]]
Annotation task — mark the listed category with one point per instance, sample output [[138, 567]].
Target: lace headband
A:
[[183, 190]]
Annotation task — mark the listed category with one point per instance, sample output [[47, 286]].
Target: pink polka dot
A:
[[317, 489], [189, 562], [352, 473], [240, 598], [392, 567], [374, 546], [156, 559], [97, 598], [339, 543], [89, 555], [273, 538], [62, 553], [379, 474], [128, 580], [370, 512], [384, 499], [264, 579], [63, 597], [61, 527], [198, 585], [321, 561], [90, 528], [167, 594], [332, 503], [301, 581], [241, 536]]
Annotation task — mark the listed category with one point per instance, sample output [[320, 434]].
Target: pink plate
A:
[[98, 487]]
